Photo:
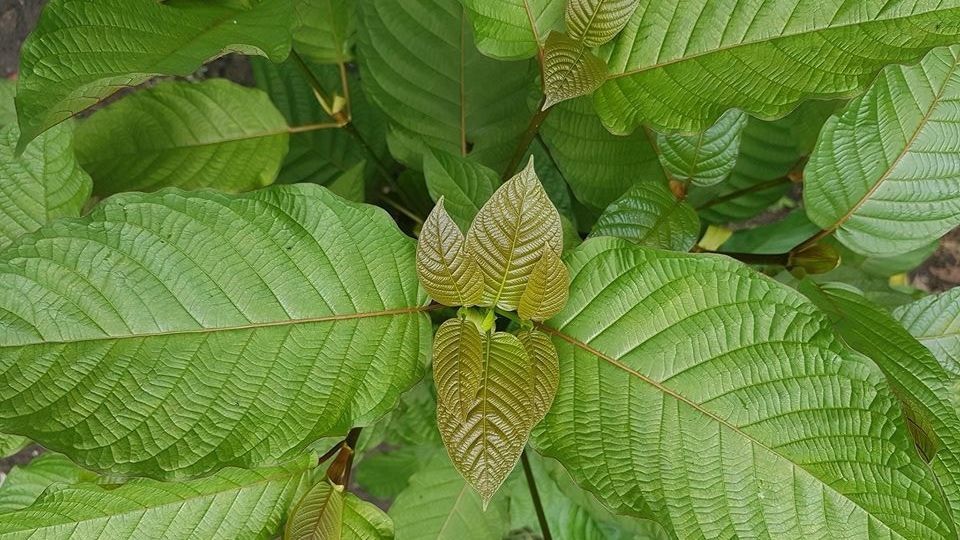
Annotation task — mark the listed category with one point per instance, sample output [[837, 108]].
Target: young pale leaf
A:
[[724, 338], [595, 22], [569, 70], [935, 322], [513, 29], [82, 52], [233, 503], [575, 138], [324, 30], [447, 269], [545, 370], [509, 234], [707, 158], [317, 515], [650, 215], [486, 444], [214, 134], [884, 175], [458, 364], [803, 49], [25, 483], [546, 290], [171, 296], [463, 183]]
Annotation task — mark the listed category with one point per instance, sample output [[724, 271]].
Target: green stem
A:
[[535, 496], [535, 121], [778, 259]]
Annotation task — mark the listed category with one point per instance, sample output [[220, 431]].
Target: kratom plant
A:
[[655, 251]]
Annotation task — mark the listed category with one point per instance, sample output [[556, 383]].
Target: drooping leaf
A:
[[152, 295], [82, 52], [233, 503], [546, 290], [463, 183], [447, 269], [485, 445], [677, 66], [570, 70], [324, 30], [707, 158], [513, 29], [575, 138], [25, 483], [595, 22], [215, 134], [724, 338], [458, 364], [317, 515], [650, 215], [935, 322], [447, 95], [508, 235], [884, 175], [545, 373]]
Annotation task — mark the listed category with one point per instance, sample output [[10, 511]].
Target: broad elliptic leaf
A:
[[546, 290], [508, 235], [707, 158], [25, 483], [214, 134], [570, 70], [233, 503], [884, 176], [171, 296], [419, 65], [679, 65], [723, 338], [650, 215], [82, 52], [545, 373], [513, 29], [486, 444], [324, 30], [575, 138], [458, 364], [595, 22], [317, 515], [439, 505], [926, 390], [935, 322], [463, 183], [447, 269]]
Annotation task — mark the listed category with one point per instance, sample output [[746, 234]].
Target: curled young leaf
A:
[[457, 364], [546, 291], [448, 271], [545, 371], [569, 70], [508, 235], [595, 22]]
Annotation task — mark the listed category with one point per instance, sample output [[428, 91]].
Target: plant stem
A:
[[535, 496], [313, 127], [527, 138], [402, 209], [813, 240], [745, 191], [339, 470], [778, 259]]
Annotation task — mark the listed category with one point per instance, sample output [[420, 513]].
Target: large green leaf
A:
[[25, 483], [935, 321], [679, 64], [81, 51], [698, 393], [214, 134], [324, 30], [174, 333], [420, 67], [576, 139], [707, 158], [650, 215], [233, 503], [513, 29], [884, 176], [463, 183]]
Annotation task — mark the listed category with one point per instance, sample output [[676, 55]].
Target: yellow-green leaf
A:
[[448, 272], [508, 235], [457, 364], [546, 291], [545, 371], [569, 69], [318, 514], [595, 22]]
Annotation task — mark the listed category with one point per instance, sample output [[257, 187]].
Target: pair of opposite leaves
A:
[[494, 387]]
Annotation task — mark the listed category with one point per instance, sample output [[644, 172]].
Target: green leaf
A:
[[440, 505], [707, 158], [513, 29], [233, 503], [11, 444], [324, 30], [570, 70], [447, 269], [650, 215], [214, 134], [8, 111], [350, 185], [419, 65], [318, 514], [575, 138], [595, 22], [464, 184], [744, 379], [458, 364], [935, 322], [546, 290], [884, 176], [170, 296], [46, 472], [82, 52], [677, 66], [773, 238], [364, 521]]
